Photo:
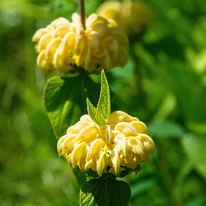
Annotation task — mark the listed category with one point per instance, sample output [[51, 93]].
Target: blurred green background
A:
[[164, 85]]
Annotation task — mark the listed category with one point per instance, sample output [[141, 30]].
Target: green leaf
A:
[[104, 104], [105, 192], [95, 114], [119, 191], [166, 129], [64, 99], [185, 84], [61, 97], [103, 110], [195, 149]]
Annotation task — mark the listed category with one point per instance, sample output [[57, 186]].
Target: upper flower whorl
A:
[[64, 45]]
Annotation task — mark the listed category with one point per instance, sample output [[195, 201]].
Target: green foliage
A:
[[104, 104], [103, 110], [105, 192], [95, 114], [164, 85], [195, 148], [64, 99], [166, 129]]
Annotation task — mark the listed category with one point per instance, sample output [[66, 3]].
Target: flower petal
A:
[[78, 153], [116, 161], [102, 163]]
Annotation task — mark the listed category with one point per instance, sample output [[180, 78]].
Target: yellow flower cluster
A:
[[122, 144], [132, 17], [64, 45]]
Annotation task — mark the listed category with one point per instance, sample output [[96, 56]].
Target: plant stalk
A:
[[82, 13]]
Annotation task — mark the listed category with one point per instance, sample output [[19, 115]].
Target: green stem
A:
[[82, 13]]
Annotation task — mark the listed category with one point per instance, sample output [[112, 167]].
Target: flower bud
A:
[[116, 148], [64, 45]]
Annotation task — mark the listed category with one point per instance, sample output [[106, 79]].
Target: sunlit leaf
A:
[[95, 114], [104, 104], [103, 110]]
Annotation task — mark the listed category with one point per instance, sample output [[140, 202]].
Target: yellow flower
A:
[[64, 45], [132, 17], [122, 144]]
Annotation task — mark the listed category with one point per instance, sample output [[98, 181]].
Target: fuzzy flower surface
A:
[[65, 45], [132, 17], [122, 144]]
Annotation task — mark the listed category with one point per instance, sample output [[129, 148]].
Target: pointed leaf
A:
[[105, 192], [104, 104], [95, 114]]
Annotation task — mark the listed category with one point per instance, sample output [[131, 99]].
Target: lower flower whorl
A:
[[120, 145]]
